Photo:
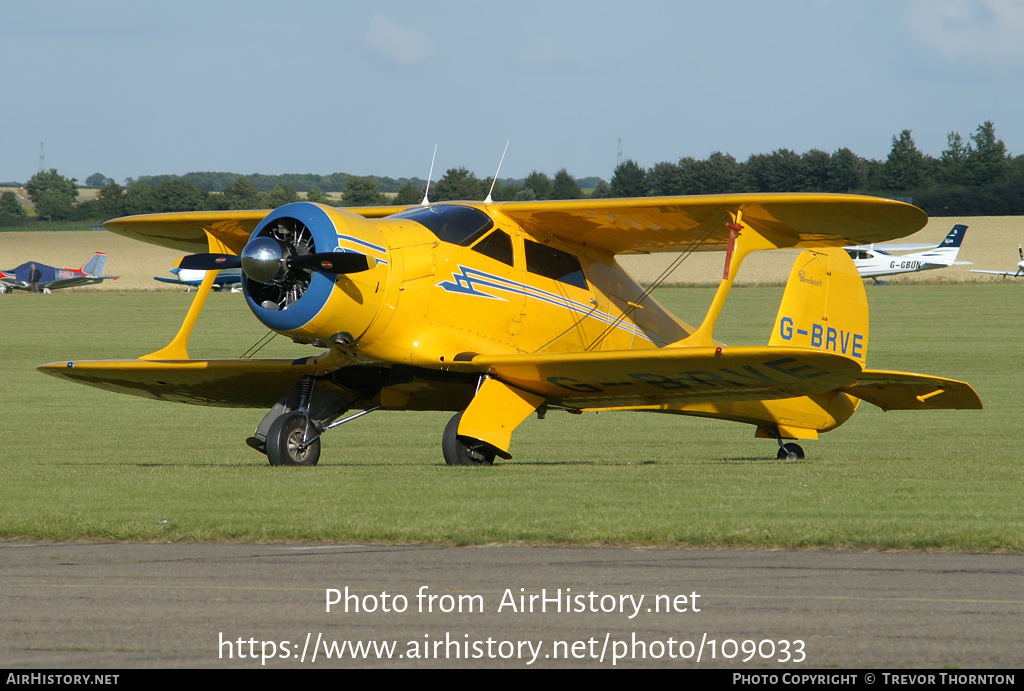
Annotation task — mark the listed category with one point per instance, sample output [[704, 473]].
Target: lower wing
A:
[[673, 375], [13, 284], [77, 281], [225, 383]]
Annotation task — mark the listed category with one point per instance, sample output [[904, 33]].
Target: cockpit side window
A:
[[555, 264], [459, 225], [497, 245]]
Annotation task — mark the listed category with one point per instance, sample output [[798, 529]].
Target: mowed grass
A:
[[77, 462]]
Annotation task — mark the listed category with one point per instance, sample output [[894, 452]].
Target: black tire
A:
[[790, 452], [284, 440], [463, 450]]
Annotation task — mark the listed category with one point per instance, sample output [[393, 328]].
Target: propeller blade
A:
[[333, 262], [210, 262]]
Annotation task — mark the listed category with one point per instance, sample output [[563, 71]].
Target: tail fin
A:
[[94, 267], [945, 252], [955, 237], [824, 306]]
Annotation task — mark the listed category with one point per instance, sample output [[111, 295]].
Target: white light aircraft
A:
[[873, 261], [227, 279], [1015, 274]]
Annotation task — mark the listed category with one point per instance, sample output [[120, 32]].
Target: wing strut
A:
[[742, 241], [177, 349], [633, 306]]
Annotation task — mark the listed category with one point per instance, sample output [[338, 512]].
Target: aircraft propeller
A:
[[264, 260]]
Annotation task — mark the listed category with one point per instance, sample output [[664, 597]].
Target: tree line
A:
[[974, 176]]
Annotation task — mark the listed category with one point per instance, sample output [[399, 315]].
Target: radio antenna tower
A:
[[42, 156], [618, 160]]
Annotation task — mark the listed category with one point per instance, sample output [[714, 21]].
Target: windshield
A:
[[459, 225]]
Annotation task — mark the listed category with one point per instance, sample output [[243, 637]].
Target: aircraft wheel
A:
[[284, 442], [790, 452], [458, 452]]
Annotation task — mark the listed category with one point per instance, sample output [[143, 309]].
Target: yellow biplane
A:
[[496, 311]]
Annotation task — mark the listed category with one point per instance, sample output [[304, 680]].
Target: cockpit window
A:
[[459, 225], [497, 245], [555, 264]]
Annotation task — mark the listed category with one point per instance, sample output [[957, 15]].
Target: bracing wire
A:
[[258, 345], [632, 307]]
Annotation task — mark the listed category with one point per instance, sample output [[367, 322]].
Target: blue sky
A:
[[129, 88]]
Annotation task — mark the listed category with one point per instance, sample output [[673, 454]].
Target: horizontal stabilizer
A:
[[909, 391]]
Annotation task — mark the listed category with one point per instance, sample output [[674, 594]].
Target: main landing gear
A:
[[464, 450], [293, 440], [790, 452]]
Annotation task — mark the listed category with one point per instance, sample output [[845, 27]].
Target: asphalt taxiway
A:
[[117, 605]]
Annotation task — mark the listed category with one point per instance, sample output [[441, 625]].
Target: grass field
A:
[[82, 463]]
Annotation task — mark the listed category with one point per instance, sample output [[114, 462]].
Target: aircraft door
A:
[[562, 311], [479, 293]]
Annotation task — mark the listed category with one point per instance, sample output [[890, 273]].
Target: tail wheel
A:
[[464, 450], [286, 441], [790, 452]]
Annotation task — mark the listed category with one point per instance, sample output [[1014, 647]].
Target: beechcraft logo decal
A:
[[469, 281], [476, 283]]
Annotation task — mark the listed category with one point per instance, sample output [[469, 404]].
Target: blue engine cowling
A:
[[296, 298]]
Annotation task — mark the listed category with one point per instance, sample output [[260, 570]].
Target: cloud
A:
[[400, 44], [990, 31]]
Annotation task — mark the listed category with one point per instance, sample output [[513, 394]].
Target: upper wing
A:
[[908, 391], [186, 231], [662, 224], [673, 375]]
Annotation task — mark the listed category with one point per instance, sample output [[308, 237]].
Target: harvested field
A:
[[989, 245]]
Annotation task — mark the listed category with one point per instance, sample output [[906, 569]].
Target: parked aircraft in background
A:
[[496, 311], [41, 278], [193, 278], [873, 261], [1015, 274]]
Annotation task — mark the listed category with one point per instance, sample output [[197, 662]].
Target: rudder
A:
[[825, 306]]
